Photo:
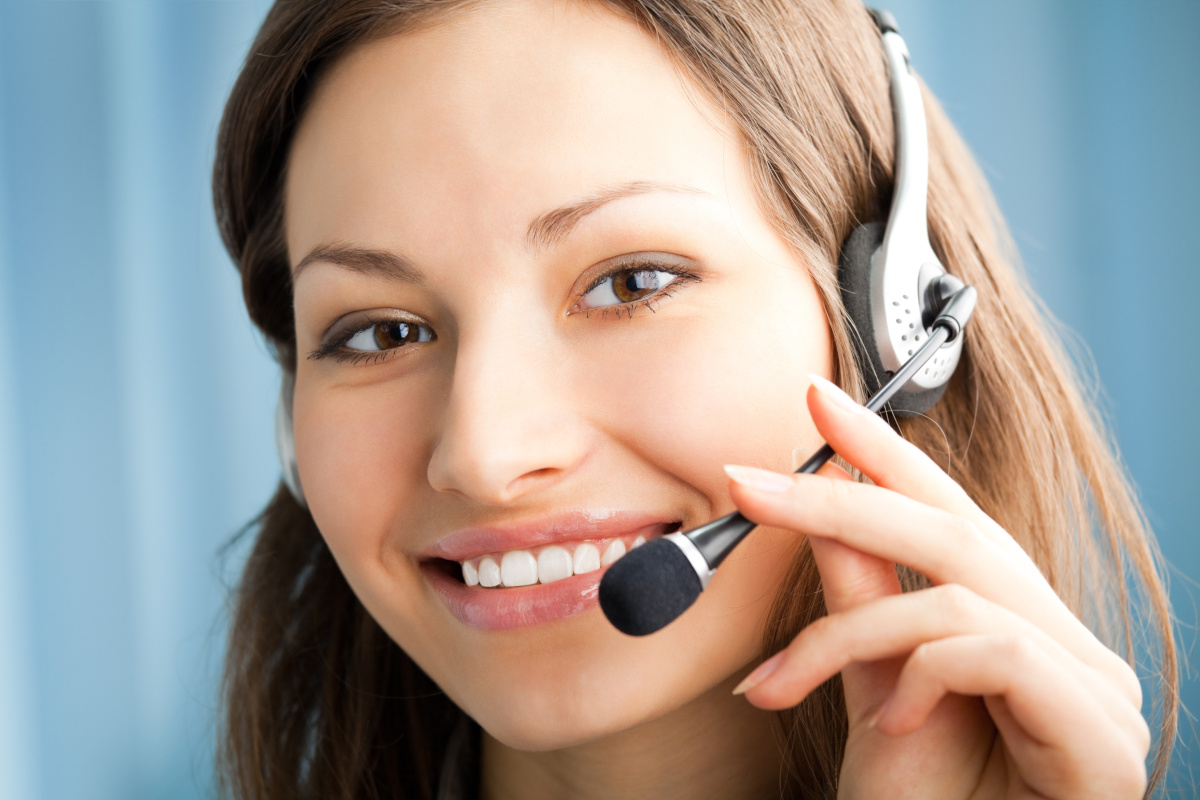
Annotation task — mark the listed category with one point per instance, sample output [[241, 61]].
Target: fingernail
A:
[[834, 393], [760, 479], [760, 674]]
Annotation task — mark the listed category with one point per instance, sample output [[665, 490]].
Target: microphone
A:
[[648, 588]]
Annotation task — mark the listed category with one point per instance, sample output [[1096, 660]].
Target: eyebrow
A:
[[365, 260], [553, 227], [546, 231]]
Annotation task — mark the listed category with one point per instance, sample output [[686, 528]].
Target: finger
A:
[[868, 442], [850, 577], [945, 547], [1062, 739], [895, 626]]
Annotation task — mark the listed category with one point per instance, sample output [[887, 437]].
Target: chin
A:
[[537, 722], [592, 683]]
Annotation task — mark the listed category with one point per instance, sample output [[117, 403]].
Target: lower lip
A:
[[517, 607]]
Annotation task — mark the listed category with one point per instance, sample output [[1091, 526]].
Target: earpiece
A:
[[887, 271], [907, 315]]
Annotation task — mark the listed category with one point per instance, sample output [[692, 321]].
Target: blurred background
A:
[[135, 445]]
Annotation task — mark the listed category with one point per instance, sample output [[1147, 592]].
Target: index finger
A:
[[868, 443]]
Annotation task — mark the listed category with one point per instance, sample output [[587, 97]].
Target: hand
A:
[[985, 685]]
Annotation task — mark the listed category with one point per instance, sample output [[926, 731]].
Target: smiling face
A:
[[537, 307]]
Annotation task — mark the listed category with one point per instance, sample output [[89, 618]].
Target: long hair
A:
[[319, 703]]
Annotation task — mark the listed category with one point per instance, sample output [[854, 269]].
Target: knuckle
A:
[[1127, 681], [964, 531], [960, 539], [956, 603], [1015, 649], [1130, 779], [822, 628], [1142, 738], [839, 492], [923, 658]]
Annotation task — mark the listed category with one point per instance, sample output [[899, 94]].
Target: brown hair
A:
[[318, 702]]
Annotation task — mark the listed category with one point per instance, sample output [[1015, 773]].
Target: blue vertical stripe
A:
[[18, 719]]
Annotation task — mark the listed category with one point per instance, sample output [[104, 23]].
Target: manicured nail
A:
[[760, 479], [834, 393], [760, 674]]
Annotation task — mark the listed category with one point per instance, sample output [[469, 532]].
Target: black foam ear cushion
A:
[[854, 276]]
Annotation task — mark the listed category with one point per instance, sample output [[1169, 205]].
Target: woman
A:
[[539, 270]]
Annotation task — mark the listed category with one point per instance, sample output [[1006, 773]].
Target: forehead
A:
[[490, 116]]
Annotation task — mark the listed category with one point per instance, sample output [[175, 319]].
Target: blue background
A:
[[136, 400]]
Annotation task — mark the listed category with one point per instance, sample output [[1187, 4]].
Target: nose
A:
[[510, 426]]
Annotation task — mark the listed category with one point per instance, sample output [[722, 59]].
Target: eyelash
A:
[[333, 349]]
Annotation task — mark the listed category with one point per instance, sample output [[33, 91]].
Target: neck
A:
[[717, 746]]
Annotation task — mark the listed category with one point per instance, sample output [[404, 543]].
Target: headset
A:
[[906, 314]]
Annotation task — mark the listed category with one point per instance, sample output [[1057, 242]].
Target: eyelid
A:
[[357, 321]]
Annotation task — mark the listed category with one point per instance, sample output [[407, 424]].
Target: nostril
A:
[[531, 479]]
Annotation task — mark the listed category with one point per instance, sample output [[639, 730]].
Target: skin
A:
[[440, 147]]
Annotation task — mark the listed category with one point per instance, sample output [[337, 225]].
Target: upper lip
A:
[[467, 543]]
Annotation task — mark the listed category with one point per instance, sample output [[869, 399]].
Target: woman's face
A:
[[538, 306]]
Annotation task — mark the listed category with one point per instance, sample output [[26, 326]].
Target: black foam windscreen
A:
[[854, 275], [648, 588]]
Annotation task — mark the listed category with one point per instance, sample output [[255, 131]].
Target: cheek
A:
[[362, 453], [731, 391]]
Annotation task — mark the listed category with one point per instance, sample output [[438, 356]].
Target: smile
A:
[[502, 578]]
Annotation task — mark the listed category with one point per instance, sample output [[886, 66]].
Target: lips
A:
[[505, 564]]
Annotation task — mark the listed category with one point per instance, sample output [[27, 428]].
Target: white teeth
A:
[[489, 572], [587, 559], [470, 574], [518, 568], [553, 564], [612, 552], [550, 564]]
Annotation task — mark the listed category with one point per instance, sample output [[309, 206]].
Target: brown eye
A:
[[395, 334], [388, 336], [627, 286]]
